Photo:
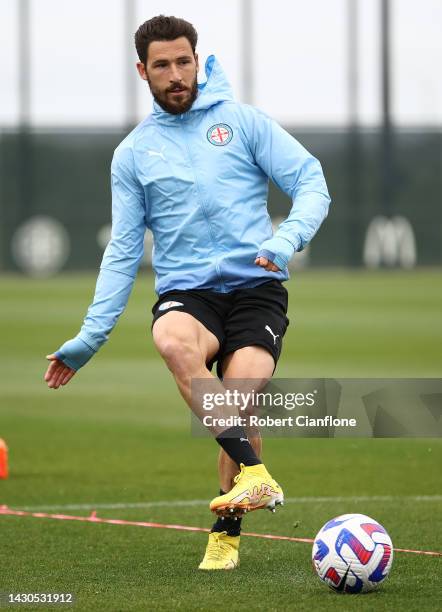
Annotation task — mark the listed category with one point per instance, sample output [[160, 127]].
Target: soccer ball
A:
[[352, 553]]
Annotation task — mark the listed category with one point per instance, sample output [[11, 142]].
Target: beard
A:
[[177, 106]]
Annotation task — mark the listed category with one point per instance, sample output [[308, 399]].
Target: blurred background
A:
[[356, 81]]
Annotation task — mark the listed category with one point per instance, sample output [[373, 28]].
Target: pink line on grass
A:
[[93, 518]]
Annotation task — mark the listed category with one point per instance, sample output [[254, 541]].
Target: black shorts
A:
[[244, 317]]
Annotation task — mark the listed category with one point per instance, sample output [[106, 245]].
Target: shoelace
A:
[[216, 546], [238, 476]]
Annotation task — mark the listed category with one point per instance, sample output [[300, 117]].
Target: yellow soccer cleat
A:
[[222, 552], [254, 489]]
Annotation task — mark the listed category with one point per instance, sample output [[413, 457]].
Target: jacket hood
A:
[[216, 89]]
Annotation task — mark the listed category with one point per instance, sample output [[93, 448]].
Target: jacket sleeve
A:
[[119, 265], [123, 254], [297, 173]]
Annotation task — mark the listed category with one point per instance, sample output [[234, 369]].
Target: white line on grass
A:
[[175, 503]]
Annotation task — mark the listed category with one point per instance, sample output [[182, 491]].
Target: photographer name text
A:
[[301, 420]]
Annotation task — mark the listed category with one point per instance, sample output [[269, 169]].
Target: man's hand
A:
[[57, 373], [265, 263], [275, 253], [69, 358]]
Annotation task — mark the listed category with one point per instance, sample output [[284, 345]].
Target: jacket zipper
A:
[[205, 213]]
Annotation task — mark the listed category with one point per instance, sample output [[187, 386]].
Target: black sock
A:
[[228, 524], [236, 444]]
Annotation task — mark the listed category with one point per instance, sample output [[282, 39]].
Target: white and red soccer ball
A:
[[352, 553]]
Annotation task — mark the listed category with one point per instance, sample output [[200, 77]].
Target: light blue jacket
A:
[[199, 182]]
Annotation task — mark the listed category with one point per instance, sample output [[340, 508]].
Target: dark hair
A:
[[163, 28]]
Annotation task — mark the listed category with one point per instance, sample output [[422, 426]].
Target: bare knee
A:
[[182, 356]]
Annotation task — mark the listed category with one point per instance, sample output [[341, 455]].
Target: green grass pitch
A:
[[118, 439]]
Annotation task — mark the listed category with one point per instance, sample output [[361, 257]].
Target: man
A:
[[196, 173]]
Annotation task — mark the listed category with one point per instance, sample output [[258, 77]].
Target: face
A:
[[171, 71]]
